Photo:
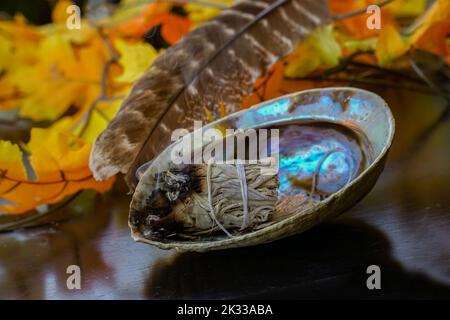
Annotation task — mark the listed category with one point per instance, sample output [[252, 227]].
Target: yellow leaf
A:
[[439, 12], [59, 161], [135, 59], [134, 9], [11, 162], [72, 36], [199, 13], [90, 61], [434, 29], [363, 45], [390, 46], [320, 49], [5, 52], [305, 63], [20, 30], [18, 45], [407, 8], [53, 84], [9, 97], [50, 100], [59, 13], [51, 73], [57, 55], [100, 117]]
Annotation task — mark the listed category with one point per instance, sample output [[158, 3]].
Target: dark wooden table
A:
[[403, 226]]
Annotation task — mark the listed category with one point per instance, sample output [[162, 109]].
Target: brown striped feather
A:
[[216, 63]]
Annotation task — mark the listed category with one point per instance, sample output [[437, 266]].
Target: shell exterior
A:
[[358, 109]]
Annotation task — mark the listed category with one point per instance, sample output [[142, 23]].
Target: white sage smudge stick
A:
[[205, 198]]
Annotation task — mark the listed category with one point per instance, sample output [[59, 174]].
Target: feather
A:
[[216, 64]]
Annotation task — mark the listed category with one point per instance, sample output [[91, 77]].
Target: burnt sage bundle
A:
[[199, 200]]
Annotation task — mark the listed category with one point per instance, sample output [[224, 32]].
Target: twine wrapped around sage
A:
[[209, 197]]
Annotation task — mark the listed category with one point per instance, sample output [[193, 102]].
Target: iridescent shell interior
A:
[[333, 153], [332, 147]]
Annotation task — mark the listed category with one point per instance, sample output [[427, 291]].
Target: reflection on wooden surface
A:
[[330, 261], [403, 226]]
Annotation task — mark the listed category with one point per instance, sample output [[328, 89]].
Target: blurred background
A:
[[403, 225]]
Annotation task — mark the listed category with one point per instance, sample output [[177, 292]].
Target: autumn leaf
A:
[[19, 30], [135, 59], [364, 45], [72, 78], [320, 49], [434, 29], [356, 26], [407, 8], [15, 59], [273, 85], [266, 87], [133, 17], [6, 51], [51, 67], [172, 26], [59, 13], [201, 13], [49, 74], [390, 46], [57, 161], [98, 119], [9, 96]]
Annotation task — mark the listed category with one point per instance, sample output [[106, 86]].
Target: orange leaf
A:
[[274, 84], [266, 87], [59, 13], [357, 26], [434, 29], [390, 46], [434, 39], [174, 27], [59, 162]]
